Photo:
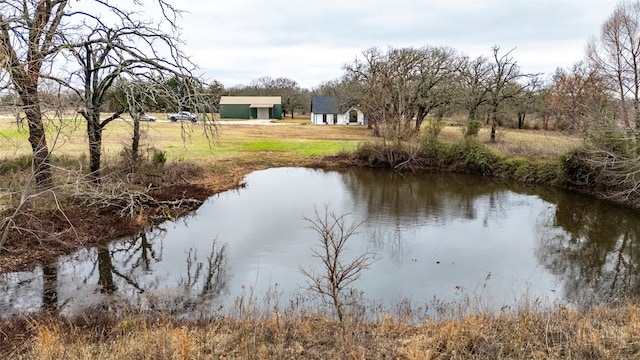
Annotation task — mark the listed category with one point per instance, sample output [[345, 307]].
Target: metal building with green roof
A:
[[251, 107]]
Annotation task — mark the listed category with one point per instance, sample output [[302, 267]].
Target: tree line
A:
[[398, 88], [58, 54]]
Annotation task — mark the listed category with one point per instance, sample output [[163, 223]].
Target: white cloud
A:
[[309, 40]]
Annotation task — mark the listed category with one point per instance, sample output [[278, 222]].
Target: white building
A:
[[327, 110]]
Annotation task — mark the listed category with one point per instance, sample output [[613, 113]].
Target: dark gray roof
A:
[[325, 105]]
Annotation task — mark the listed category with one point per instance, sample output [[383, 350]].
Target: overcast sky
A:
[[235, 41]]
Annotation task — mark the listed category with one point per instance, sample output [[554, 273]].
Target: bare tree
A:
[[29, 36], [337, 273], [474, 85], [135, 49], [615, 53], [292, 95], [434, 81], [525, 102], [578, 99], [385, 81], [503, 75], [33, 33], [404, 84], [215, 90]]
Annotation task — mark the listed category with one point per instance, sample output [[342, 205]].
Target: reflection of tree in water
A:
[[407, 197], [142, 253], [593, 246], [135, 255], [50, 287], [393, 203], [204, 282], [123, 268], [105, 271], [391, 240], [209, 279]]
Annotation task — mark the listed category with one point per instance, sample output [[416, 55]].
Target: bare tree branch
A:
[[337, 274]]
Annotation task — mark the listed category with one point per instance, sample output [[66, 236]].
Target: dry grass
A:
[[531, 144], [192, 146], [600, 333]]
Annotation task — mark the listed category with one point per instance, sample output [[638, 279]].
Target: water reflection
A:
[[442, 236], [50, 288], [395, 205], [124, 278], [206, 280], [436, 198], [105, 271], [593, 247]]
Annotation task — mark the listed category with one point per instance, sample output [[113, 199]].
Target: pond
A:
[[436, 238]]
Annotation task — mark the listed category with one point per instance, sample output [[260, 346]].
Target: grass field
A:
[[187, 142]]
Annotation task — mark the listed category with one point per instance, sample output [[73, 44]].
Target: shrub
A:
[[547, 172], [509, 167], [127, 158], [384, 155], [159, 158], [472, 129], [432, 150], [576, 169], [475, 157], [435, 126]]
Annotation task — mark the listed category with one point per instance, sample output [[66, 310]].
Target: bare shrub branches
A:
[[129, 201], [615, 174], [337, 273]]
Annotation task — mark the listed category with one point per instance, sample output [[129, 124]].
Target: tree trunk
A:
[[37, 137], [419, 119], [375, 125], [545, 122], [494, 122], [95, 152], [636, 107], [521, 117], [472, 113], [135, 142], [146, 252], [493, 132], [94, 133]]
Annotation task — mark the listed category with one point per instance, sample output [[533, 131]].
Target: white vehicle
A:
[[145, 117], [183, 115]]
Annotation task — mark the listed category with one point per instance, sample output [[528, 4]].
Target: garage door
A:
[[263, 113]]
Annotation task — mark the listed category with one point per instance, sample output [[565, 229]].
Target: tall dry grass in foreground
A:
[[600, 333]]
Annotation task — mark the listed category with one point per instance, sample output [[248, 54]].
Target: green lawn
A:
[[184, 141]]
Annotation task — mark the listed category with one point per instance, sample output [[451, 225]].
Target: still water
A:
[[435, 237]]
